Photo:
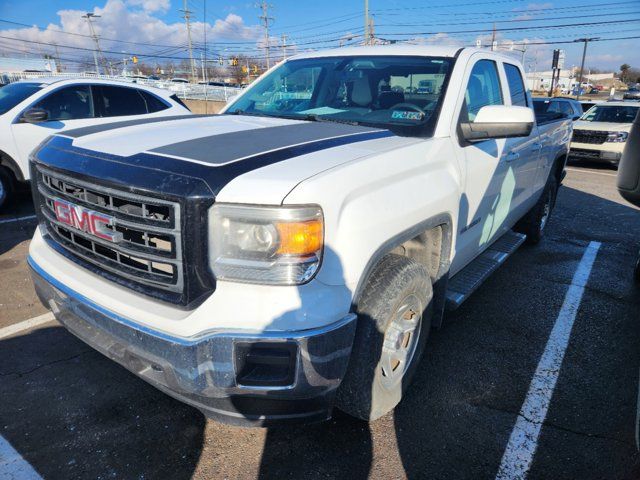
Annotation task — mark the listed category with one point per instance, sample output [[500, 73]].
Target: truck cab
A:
[[292, 253]]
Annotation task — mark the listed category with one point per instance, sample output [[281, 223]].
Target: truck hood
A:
[[260, 158], [602, 126]]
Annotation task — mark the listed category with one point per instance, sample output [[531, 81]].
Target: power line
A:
[[513, 29]]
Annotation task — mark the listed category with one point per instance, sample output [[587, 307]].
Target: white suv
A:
[[31, 110]]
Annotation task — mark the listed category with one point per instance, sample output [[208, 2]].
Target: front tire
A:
[[7, 187], [394, 319], [534, 223]]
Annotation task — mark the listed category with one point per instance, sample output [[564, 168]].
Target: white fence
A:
[[189, 91]]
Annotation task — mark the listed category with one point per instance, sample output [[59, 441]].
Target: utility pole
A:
[[89, 18], [584, 54], [58, 61], [265, 18], [187, 19], [284, 47], [493, 38], [367, 32]]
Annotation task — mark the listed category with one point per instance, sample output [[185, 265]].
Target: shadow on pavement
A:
[[72, 413]]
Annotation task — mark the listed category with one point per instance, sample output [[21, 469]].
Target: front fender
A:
[[371, 204]]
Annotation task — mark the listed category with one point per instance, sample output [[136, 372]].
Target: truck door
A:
[[489, 182], [522, 154]]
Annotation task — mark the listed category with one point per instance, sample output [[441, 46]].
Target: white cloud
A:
[[151, 6], [539, 6], [438, 39], [130, 21]]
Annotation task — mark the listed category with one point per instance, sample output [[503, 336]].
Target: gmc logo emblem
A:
[[85, 220]]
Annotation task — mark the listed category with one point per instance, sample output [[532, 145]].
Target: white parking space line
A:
[[523, 442], [13, 466], [19, 219], [580, 170], [26, 325]]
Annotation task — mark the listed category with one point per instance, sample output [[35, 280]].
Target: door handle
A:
[[511, 156], [536, 146]]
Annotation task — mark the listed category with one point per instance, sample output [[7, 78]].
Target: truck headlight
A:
[[268, 245], [617, 137]]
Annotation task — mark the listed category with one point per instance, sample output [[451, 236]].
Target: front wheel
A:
[[394, 319], [6, 187], [534, 223]]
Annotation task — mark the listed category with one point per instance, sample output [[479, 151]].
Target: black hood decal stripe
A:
[[105, 127], [164, 175], [221, 149]]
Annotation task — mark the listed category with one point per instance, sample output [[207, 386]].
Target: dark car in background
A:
[[632, 94], [566, 107]]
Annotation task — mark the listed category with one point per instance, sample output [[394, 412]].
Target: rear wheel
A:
[[534, 223], [394, 319], [6, 187]]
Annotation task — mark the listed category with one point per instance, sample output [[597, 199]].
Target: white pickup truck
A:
[[292, 253]]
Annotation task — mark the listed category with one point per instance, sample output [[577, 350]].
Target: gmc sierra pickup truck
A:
[[292, 253]]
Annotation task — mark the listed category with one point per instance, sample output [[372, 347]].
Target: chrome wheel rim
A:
[[401, 341]]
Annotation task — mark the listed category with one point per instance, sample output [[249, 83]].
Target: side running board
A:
[[467, 280]]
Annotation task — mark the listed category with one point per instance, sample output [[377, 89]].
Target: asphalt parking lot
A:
[[68, 412]]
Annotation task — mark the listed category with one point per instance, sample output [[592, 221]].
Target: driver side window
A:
[[483, 89], [69, 103]]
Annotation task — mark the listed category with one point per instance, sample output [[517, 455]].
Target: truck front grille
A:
[[589, 136], [148, 249]]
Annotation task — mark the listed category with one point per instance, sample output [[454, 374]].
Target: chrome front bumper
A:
[[202, 371]]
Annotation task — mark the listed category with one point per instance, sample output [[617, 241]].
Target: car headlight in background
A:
[[268, 245], [617, 137]]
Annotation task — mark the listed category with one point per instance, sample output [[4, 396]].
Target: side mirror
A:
[[499, 121], [34, 115]]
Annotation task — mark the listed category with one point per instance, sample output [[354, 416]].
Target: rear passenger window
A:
[[483, 89], [122, 101], [154, 104], [516, 85]]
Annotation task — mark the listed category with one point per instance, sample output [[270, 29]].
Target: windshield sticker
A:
[[404, 115]]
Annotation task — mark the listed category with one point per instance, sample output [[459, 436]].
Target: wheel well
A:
[[558, 167], [11, 166], [430, 246], [426, 249]]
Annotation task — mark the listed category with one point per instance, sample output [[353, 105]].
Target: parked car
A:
[[31, 110], [600, 135], [281, 258], [632, 94], [179, 80], [629, 175], [567, 107]]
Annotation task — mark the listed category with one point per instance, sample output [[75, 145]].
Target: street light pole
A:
[[584, 54]]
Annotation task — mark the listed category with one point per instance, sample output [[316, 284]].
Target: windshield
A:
[[611, 113], [400, 93], [14, 93]]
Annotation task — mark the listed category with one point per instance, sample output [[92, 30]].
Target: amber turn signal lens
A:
[[300, 238]]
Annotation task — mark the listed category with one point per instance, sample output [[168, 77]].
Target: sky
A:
[[155, 29]]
